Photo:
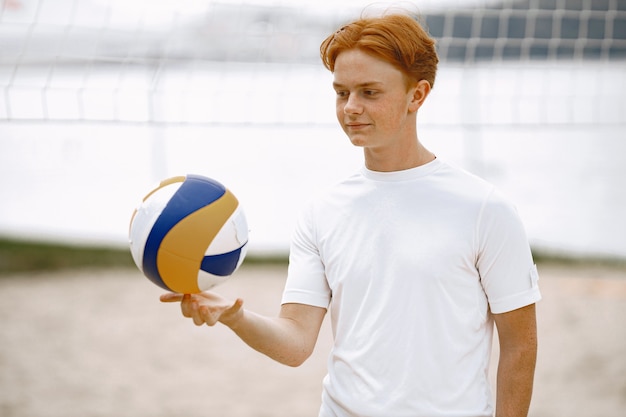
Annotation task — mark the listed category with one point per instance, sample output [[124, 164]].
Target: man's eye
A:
[[369, 92], [342, 94]]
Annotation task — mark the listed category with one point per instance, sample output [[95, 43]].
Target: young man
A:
[[416, 259]]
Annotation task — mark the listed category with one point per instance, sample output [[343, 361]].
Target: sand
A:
[[99, 343]]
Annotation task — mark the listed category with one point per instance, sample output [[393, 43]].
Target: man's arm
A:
[[517, 332], [289, 338]]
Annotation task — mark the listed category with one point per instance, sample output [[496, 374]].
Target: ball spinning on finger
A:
[[188, 234]]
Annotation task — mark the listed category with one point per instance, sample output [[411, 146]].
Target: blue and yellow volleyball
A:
[[188, 234]]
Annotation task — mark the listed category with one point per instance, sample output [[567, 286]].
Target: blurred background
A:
[[101, 99]]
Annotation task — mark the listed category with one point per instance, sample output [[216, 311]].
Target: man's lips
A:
[[356, 126]]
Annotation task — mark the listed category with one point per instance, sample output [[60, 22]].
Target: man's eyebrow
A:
[[361, 85]]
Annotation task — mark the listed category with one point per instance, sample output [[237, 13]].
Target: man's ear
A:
[[418, 92]]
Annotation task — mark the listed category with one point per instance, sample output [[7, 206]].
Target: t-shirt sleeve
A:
[[505, 264], [306, 279]]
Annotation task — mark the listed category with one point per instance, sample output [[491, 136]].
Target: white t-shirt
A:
[[410, 263]]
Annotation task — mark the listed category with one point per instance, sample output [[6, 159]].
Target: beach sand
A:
[[99, 343]]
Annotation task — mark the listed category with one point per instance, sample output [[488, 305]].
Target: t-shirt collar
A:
[[403, 175]]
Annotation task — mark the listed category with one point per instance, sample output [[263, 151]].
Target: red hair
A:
[[396, 38]]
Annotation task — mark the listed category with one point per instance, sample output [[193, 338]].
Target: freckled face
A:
[[373, 104]]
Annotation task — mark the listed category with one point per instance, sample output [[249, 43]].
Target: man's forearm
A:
[[516, 371], [288, 339]]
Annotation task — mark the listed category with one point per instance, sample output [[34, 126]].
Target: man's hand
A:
[[207, 308], [288, 338]]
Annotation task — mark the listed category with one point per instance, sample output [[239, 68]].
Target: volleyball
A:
[[188, 234]]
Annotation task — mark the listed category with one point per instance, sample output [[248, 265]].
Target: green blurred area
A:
[[18, 256], [26, 256]]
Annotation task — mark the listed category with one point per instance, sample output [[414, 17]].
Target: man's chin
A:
[[358, 140]]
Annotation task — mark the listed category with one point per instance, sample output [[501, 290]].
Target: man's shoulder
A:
[[456, 180]]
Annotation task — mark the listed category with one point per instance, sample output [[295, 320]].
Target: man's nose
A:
[[353, 105]]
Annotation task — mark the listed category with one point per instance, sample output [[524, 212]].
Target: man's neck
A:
[[389, 160]]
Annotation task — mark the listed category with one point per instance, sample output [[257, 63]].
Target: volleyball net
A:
[[519, 62]]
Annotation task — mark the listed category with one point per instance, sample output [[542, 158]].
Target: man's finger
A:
[[197, 316], [171, 297], [187, 306], [235, 307], [208, 316]]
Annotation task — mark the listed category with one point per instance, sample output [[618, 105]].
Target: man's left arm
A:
[[517, 333]]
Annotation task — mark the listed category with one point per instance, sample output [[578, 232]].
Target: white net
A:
[[99, 99], [193, 61], [533, 29]]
